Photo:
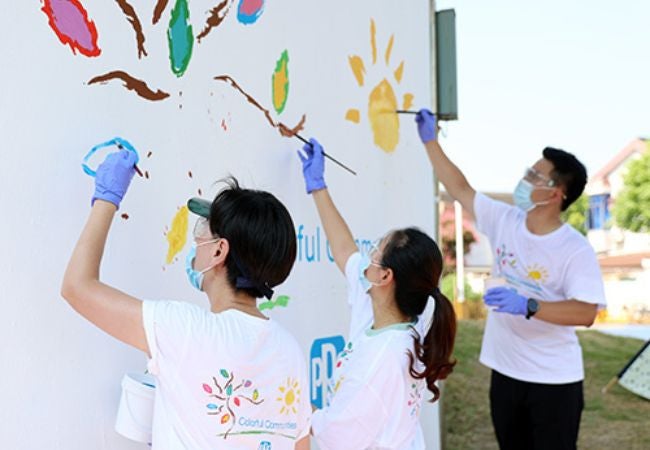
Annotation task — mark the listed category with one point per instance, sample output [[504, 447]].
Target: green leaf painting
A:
[[180, 38]]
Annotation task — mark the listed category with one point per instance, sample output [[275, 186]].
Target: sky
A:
[[572, 74]]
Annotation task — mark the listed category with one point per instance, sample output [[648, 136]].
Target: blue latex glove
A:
[[114, 176], [506, 300], [313, 165], [427, 125]]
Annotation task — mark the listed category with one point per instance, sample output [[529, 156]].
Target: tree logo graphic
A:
[[227, 397]]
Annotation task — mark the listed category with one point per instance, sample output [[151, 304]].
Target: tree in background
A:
[[448, 239], [576, 214], [632, 207]]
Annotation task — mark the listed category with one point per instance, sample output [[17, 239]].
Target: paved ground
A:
[[633, 330]]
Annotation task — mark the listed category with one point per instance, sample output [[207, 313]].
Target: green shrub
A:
[[472, 307]]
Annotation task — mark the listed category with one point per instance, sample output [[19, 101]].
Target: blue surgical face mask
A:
[[522, 195], [195, 276], [364, 263]]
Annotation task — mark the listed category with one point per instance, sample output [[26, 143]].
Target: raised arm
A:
[[446, 171], [115, 312], [340, 238]]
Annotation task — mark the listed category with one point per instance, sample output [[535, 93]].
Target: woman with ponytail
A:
[[395, 350]]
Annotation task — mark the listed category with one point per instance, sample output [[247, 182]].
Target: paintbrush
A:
[[137, 169], [327, 156], [404, 111]]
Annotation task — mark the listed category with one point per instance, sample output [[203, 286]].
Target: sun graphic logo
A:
[[382, 101], [537, 273], [289, 396]]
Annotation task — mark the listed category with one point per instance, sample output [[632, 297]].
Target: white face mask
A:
[[196, 276], [364, 264]]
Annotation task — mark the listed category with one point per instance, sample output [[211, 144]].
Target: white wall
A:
[[60, 377]]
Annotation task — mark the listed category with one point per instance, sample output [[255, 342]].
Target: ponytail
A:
[[434, 352], [416, 262]]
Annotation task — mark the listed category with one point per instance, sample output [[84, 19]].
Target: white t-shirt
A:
[[560, 265], [374, 402], [226, 380]]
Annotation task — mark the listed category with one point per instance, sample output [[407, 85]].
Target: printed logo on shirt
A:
[[323, 356], [505, 258], [345, 355], [264, 445], [289, 396], [334, 387], [537, 274], [507, 268], [227, 396], [415, 397]]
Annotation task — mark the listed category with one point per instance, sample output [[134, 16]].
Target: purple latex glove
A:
[[427, 125], [114, 176], [313, 165], [506, 300]]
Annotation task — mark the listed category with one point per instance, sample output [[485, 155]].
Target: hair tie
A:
[[245, 282], [436, 292]]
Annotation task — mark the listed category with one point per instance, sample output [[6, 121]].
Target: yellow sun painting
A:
[[382, 102], [289, 396], [537, 273]]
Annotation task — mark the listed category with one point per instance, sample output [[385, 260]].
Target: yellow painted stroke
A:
[[407, 101], [373, 42], [280, 81], [353, 115], [356, 64], [177, 236], [399, 72], [383, 120], [389, 48]]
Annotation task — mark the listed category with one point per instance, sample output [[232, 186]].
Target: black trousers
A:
[[535, 416]]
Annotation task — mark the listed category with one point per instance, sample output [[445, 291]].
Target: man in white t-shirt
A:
[[227, 377], [552, 284]]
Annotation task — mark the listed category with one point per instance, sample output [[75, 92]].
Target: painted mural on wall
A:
[[185, 31], [74, 27], [382, 101]]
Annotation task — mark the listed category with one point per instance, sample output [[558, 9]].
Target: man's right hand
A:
[[427, 125]]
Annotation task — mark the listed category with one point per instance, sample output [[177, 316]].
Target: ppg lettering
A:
[[323, 354]]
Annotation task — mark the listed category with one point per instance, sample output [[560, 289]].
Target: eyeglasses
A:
[[202, 229], [533, 176], [375, 253]]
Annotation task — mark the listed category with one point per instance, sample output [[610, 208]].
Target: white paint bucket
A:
[[493, 282], [135, 414]]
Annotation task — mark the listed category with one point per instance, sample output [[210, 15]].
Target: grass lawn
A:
[[618, 420]]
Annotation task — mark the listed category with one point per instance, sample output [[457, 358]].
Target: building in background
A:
[[478, 259], [624, 256]]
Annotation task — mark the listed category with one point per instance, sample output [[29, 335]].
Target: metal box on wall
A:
[[447, 92]]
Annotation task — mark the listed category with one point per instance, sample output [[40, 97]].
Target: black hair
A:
[[416, 263], [567, 172], [261, 237]]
